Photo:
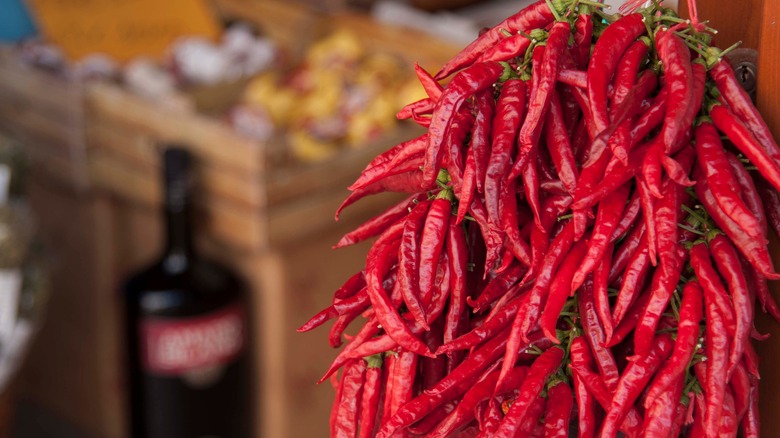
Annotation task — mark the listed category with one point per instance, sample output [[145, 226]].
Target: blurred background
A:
[[281, 104]]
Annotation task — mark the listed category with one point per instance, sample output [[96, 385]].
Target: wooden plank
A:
[[211, 138], [46, 92], [735, 22], [36, 128], [140, 150]]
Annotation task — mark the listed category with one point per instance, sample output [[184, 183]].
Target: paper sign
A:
[[122, 29]]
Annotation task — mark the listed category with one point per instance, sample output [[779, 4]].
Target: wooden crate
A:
[[46, 112]]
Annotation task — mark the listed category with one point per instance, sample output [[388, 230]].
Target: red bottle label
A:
[[175, 347]]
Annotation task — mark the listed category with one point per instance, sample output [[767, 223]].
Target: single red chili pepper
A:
[[319, 319], [630, 321], [754, 251], [586, 409], [372, 391], [340, 325], [721, 180], [422, 427], [465, 84], [491, 235], [691, 313], [601, 292], [477, 153], [675, 57], [746, 142], [740, 103], [749, 192], [560, 402], [581, 366], [378, 261], [628, 246], [356, 303], [558, 144], [751, 424], [434, 234], [648, 211], [634, 278], [510, 108], [560, 289], [409, 262], [594, 334], [376, 225], [511, 223], [633, 381], [530, 178], [432, 88], [459, 130], [730, 268], [740, 386], [583, 34], [378, 167], [541, 369], [451, 386], [432, 370], [711, 281], [716, 341], [627, 218], [627, 69], [574, 78], [407, 182], [334, 409], [536, 15], [508, 48], [651, 119], [660, 416], [483, 390], [457, 314], [435, 307], [609, 213], [416, 108], [539, 99], [607, 52], [403, 378], [346, 420]]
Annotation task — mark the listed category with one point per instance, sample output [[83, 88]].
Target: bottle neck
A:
[[178, 231]]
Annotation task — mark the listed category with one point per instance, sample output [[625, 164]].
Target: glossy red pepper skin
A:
[[583, 35], [407, 182], [376, 225], [465, 84], [721, 180], [730, 268], [691, 313], [594, 333], [607, 51], [676, 61], [434, 234], [451, 386], [749, 192], [409, 262], [537, 15], [346, 421], [541, 369], [558, 143], [379, 166], [633, 281], [371, 397], [560, 402], [633, 381], [477, 153], [560, 289], [510, 109], [506, 49]]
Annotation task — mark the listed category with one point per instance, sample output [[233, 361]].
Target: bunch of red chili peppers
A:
[[580, 249]]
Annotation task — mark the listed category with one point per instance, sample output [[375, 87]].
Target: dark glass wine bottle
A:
[[186, 332]]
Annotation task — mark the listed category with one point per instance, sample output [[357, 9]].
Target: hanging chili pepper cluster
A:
[[579, 247]]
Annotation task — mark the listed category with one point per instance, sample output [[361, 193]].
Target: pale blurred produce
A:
[[340, 96]]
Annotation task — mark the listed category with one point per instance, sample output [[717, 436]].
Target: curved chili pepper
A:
[[416, 108], [451, 386], [609, 213], [560, 289], [401, 390], [539, 100], [691, 313], [465, 84], [716, 342], [560, 402], [372, 390], [424, 426], [497, 286], [754, 251], [725, 189], [749, 192], [434, 233], [751, 426], [651, 119], [607, 51], [510, 223], [746, 142], [559, 145], [634, 277], [740, 386], [459, 130], [583, 34], [457, 314], [376, 225], [340, 325], [676, 60], [407, 182], [586, 409], [378, 167], [660, 415], [369, 329], [510, 108], [730, 269], [542, 368], [477, 153], [346, 420], [628, 217], [633, 381], [531, 188], [594, 334], [409, 262]]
